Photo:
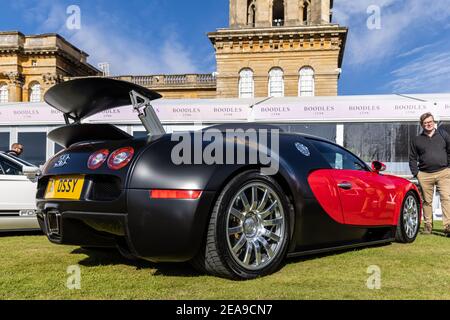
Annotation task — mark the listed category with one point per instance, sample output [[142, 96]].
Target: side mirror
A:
[[378, 166], [31, 172]]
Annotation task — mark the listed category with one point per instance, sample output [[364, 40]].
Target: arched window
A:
[[4, 93], [246, 85], [278, 13], [251, 16], [35, 92], [276, 83], [306, 86], [306, 11]]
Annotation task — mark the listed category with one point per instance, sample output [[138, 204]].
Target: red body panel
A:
[[325, 189], [372, 200], [404, 186]]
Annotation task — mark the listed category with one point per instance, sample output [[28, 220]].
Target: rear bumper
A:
[[152, 229]]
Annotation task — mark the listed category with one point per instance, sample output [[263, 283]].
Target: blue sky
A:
[[410, 53]]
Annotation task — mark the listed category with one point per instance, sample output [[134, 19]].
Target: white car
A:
[[18, 185]]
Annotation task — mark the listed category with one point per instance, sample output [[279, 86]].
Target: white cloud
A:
[[409, 35], [346, 10], [129, 57], [399, 20], [176, 58], [105, 41], [124, 55], [428, 73], [417, 50]]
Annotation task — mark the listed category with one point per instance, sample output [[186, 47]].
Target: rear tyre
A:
[[408, 225], [248, 233]]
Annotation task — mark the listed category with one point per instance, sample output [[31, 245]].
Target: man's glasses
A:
[[427, 123]]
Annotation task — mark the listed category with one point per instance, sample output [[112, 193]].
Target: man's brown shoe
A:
[[447, 230], [427, 229]]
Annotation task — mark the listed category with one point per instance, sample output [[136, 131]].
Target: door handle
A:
[[345, 185]]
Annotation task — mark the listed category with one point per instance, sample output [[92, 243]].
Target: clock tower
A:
[[279, 48]]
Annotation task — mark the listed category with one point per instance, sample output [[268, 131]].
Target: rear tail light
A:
[[175, 194], [120, 158], [97, 159]]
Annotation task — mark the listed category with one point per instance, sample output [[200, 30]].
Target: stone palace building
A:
[[271, 48]]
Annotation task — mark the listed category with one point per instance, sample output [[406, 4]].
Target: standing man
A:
[[16, 149], [431, 150]]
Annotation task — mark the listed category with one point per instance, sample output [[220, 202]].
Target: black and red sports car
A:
[[233, 218]]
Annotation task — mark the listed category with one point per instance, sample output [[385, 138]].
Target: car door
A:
[[367, 198], [17, 192]]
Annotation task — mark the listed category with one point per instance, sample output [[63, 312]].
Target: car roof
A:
[[259, 126], [244, 126]]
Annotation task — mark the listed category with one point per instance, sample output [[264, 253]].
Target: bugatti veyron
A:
[[237, 218]]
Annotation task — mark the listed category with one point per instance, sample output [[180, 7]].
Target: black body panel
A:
[[167, 230], [174, 230], [317, 230], [71, 134], [81, 98]]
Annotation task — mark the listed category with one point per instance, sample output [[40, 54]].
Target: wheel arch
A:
[[280, 177], [410, 188]]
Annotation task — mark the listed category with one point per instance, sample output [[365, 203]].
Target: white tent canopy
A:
[[341, 109]]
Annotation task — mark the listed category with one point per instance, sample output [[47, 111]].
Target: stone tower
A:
[[279, 48]]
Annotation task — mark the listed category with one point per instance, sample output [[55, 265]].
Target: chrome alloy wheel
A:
[[410, 216], [255, 226]]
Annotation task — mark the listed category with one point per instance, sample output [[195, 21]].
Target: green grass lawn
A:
[[33, 268]]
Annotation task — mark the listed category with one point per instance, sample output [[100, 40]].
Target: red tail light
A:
[[97, 159], [175, 194], [120, 158]]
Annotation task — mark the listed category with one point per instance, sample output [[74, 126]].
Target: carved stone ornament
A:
[[52, 78], [15, 78]]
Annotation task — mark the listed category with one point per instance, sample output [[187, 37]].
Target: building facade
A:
[[178, 86], [30, 65], [272, 48], [279, 48]]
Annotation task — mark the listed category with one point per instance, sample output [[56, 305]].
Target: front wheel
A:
[[409, 220], [248, 232]]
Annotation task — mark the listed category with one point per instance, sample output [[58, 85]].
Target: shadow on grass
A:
[[332, 253], [21, 233], [111, 256], [439, 233]]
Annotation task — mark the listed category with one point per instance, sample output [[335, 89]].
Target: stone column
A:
[[291, 8], [15, 84], [238, 14], [264, 13]]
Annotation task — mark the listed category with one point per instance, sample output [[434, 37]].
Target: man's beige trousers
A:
[[427, 182]]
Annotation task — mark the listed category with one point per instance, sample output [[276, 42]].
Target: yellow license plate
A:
[[67, 187]]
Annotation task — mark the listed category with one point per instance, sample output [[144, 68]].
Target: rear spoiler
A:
[[81, 98], [75, 133]]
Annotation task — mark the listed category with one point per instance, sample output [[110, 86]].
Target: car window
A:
[[9, 168], [337, 157]]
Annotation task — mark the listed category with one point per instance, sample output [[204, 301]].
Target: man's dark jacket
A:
[[432, 153], [13, 153]]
